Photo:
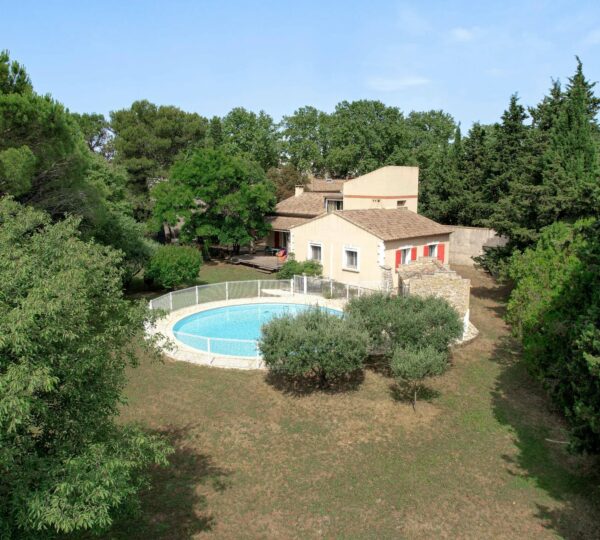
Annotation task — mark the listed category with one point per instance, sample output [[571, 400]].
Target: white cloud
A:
[[390, 84], [462, 34]]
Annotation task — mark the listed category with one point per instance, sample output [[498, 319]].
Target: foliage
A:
[[96, 132], [218, 196], [412, 365], [66, 335], [405, 321], [251, 136], [314, 344], [555, 310], [13, 77], [17, 167], [285, 179], [292, 268], [148, 138], [173, 265]]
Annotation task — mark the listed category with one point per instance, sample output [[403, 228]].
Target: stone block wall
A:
[[428, 277]]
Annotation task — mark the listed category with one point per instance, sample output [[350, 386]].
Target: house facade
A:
[[362, 230]]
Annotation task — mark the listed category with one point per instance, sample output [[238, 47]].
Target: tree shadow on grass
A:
[[542, 459], [172, 508], [304, 386]]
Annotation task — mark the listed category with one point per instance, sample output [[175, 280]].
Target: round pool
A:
[[233, 330]]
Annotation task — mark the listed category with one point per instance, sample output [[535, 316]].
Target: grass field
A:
[[478, 459]]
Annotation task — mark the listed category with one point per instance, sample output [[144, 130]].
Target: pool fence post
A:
[[347, 291], [292, 286], [331, 288], [196, 294], [227, 290], [304, 286], [258, 282], [170, 301]]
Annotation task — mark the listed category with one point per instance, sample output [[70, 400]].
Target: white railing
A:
[[233, 290], [264, 288]]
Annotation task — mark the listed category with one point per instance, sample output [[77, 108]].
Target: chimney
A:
[[299, 190]]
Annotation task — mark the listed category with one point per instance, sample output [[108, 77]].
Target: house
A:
[[361, 230], [388, 187]]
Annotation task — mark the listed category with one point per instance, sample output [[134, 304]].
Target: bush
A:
[[174, 265], [405, 321], [292, 268], [412, 365], [314, 344], [555, 310]]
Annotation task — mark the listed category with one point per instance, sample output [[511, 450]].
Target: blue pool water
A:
[[232, 330]]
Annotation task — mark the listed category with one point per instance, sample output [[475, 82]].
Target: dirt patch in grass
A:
[[474, 461]]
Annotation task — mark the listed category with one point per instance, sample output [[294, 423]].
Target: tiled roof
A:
[[393, 224], [285, 223], [320, 184], [306, 204]]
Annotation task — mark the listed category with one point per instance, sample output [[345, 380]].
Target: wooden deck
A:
[[267, 263]]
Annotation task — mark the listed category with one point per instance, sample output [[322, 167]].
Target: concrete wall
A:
[[468, 242], [383, 188]]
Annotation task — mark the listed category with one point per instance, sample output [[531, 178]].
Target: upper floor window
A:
[[315, 252], [405, 256], [431, 250], [400, 204], [333, 204]]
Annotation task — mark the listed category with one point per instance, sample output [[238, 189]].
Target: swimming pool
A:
[[232, 330]]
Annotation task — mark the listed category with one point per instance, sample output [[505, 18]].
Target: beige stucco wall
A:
[[334, 234], [392, 246], [383, 188]]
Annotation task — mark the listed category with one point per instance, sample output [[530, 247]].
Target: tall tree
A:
[[306, 139], [96, 132], [218, 196], [66, 338], [148, 138], [251, 136]]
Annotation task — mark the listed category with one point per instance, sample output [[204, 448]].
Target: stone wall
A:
[[469, 242], [428, 277]]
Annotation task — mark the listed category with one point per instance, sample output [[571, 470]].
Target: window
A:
[[314, 252], [400, 204], [405, 257], [333, 205], [432, 251], [351, 259]]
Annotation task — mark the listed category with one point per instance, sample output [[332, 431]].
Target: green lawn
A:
[[478, 460]]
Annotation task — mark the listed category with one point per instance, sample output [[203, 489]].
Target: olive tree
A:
[[67, 335], [315, 344]]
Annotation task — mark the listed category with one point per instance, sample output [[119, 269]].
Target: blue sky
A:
[[209, 56]]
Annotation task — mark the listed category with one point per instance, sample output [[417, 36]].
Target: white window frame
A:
[[436, 244], [309, 251], [337, 202], [344, 259], [409, 250], [401, 203]]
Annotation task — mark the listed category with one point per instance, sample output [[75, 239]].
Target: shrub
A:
[[555, 310], [174, 265], [292, 268], [405, 321], [411, 365], [314, 344]]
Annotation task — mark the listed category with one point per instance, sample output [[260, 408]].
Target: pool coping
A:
[[176, 350]]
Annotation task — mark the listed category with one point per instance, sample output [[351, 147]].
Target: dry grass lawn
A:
[[476, 460]]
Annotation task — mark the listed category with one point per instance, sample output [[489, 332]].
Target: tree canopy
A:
[[66, 337]]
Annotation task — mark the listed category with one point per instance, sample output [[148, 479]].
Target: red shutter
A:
[[425, 251], [398, 257], [276, 239], [441, 252], [413, 255]]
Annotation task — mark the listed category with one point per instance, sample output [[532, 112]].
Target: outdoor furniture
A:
[[271, 250]]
